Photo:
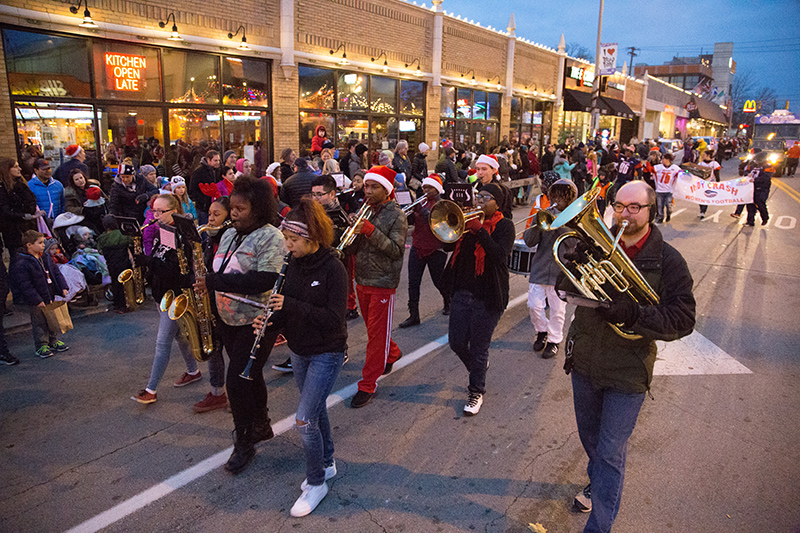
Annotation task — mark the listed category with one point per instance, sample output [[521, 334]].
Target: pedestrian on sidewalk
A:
[[310, 310], [544, 273], [35, 282], [477, 280], [166, 275], [18, 209], [5, 354]]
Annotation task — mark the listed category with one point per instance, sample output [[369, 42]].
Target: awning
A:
[[577, 101], [710, 111], [619, 108]]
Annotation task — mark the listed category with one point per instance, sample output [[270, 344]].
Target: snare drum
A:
[[519, 262]]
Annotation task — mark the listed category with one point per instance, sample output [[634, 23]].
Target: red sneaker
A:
[[280, 339], [144, 397], [187, 379], [211, 403]]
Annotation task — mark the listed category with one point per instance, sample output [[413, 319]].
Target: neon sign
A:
[[124, 72], [749, 106]]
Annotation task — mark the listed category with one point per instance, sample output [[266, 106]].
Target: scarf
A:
[[480, 253]]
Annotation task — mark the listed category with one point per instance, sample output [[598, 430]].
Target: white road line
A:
[[156, 492], [695, 355]]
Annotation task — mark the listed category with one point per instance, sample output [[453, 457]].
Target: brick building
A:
[[379, 71]]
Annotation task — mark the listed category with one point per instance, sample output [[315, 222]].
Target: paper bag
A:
[[57, 315]]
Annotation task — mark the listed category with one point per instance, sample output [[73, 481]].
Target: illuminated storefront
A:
[[376, 110], [531, 119], [470, 118], [106, 95]]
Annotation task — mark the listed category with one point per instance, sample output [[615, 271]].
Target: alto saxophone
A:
[[132, 279]]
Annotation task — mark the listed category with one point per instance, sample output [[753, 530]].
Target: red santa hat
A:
[[489, 160], [435, 181], [73, 150], [382, 175]]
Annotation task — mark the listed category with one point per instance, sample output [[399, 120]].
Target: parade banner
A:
[[608, 59], [699, 191]]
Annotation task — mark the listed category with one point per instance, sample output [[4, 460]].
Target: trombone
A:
[[346, 191], [448, 220]]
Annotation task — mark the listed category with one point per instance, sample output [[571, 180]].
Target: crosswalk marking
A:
[[695, 355]]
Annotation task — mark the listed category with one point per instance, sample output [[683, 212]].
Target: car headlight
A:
[[773, 158]]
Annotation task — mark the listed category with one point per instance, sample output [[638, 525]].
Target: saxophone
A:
[[132, 279]]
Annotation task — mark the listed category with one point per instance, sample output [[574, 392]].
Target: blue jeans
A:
[[606, 418], [663, 202], [167, 332], [471, 329], [315, 376]]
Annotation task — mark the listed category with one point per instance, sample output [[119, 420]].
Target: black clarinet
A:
[[276, 289]]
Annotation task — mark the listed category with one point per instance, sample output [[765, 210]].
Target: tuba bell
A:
[[605, 265], [448, 220]]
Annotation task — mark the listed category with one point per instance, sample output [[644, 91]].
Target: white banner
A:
[[699, 191], [608, 58]]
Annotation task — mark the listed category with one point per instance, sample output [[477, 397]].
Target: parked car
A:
[[672, 146], [777, 155]]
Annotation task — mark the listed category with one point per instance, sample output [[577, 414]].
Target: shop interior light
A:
[[385, 68], [174, 35], [243, 44], [87, 17], [418, 72], [344, 60]]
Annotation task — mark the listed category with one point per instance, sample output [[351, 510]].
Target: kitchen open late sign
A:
[[125, 72]]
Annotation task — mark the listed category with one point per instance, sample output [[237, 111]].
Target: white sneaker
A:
[[473, 405], [309, 500], [330, 471]]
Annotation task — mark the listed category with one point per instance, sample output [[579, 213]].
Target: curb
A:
[[75, 313]]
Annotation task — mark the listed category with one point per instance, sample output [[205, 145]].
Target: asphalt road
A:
[[714, 449]]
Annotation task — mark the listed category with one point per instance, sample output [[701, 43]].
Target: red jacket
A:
[[316, 142]]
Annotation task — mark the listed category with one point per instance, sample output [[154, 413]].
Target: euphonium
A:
[[605, 263], [183, 308], [365, 213], [132, 279], [448, 220]]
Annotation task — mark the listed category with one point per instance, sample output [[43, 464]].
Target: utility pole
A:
[[632, 52], [596, 88]]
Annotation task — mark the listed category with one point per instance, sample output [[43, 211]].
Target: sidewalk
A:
[[20, 321]]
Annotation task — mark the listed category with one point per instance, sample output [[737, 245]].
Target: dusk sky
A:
[[765, 33]]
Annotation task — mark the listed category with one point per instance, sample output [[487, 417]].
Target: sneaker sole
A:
[[45, 355], [282, 369], [143, 402], [64, 349], [208, 409], [470, 413], [10, 363], [183, 384]]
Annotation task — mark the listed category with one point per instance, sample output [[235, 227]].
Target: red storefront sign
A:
[[124, 72]]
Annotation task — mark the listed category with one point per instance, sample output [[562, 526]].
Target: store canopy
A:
[[577, 101], [619, 108], [710, 111]]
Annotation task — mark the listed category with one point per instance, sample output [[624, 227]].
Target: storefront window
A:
[[352, 127], [46, 65], [316, 88], [448, 102], [309, 123], [464, 103], [527, 113], [245, 132], [126, 72], [411, 131], [384, 133], [53, 127], [245, 82], [493, 106], [479, 107], [190, 78], [477, 116], [353, 91], [130, 129], [412, 97], [383, 95], [516, 109], [194, 126]]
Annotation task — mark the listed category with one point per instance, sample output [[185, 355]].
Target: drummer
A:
[[545, 271]]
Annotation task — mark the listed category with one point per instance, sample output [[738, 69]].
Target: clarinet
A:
[[276, 289]]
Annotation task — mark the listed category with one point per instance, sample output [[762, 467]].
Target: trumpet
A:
[[448, 220], [346, 191], [410, 207], [365, 213]]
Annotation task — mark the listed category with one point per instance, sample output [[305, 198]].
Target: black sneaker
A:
[[550, 350], [541, 339], [583, 501], [285, 367], [446, 309], [351, 314], [8, 359], [410, 321], [361, 399]]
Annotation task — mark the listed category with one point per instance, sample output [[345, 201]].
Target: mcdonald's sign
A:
[[749, 106]]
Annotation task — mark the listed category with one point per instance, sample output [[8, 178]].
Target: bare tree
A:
[[574, 49], [768, 99], [742, 89]]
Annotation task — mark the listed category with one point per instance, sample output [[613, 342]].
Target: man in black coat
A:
[[207, 172], [77, 157], [447, 166], [130, 194], [419, 166], [548, 158], [298, 185]]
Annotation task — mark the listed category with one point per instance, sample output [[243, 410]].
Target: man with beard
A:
[[611, 374]]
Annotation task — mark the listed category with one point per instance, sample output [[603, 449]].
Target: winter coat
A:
[[14, 205], [124, 199], [379, 256], [114, 247], [296, 187], [317, 141], [315, 303], [63, 171], [75, 198], [547, 161], [49, 197], [165, 273], [447, 169], [402, 164], [204, 173], [613, 362], [564, 170], [28, 279], [419, 167]]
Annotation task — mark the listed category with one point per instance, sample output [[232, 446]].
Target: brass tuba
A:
[[605, 263], [448, 220]]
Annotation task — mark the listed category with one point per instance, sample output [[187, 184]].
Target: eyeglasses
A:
[[320, 194], [157, 212], [633, 209], [484, 197]]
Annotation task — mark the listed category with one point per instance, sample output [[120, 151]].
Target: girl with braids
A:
[[246, 263], [311, 312]]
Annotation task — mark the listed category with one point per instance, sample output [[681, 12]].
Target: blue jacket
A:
[[28, 279], [48, 195]]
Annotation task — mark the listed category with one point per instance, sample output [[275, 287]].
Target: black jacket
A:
[[402, 164], [28, 280], [297, 186], [315, 303], [123, 200], [447, 169], [492, 285], [546, 162], [203, 174], [164, 269], [611, 361], [419, 167], [14, 205], [62, 172]]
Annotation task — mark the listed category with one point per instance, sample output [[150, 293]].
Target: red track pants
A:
[[377, 305], [351, 292]]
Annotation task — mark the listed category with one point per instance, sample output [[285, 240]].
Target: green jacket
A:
[[379, 257], [611, 361]]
